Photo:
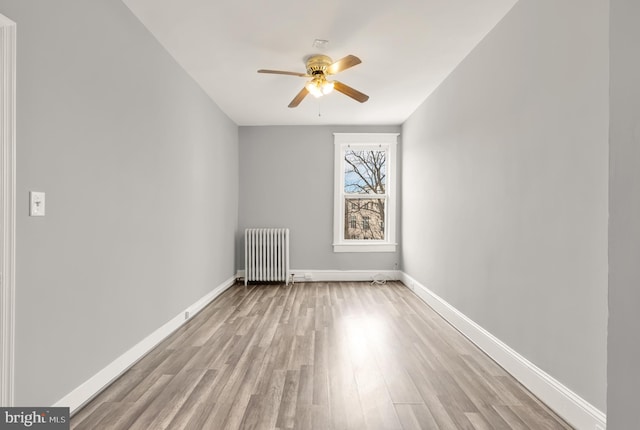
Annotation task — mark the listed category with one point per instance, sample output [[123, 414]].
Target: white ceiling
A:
[[407, 48]]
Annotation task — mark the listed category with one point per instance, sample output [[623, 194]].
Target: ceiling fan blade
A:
[[343, 64], [298, 98], [280, 72], [351, 92]]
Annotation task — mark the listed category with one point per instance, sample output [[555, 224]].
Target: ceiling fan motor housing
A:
[[317, 64]]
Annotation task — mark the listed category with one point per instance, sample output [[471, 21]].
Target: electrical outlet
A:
[[186, 315], [308, 277]]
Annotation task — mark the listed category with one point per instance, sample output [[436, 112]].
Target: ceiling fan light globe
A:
[[327, 87], [314, 89]]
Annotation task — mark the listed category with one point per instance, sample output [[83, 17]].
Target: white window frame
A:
[[364, 141]]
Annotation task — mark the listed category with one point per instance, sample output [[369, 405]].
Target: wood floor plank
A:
[[376, 403], [128, 413], [262, 411], [116, 392], [93, 418], [393, 367], [145, 386], [321, 367], [193, 405], [287, 407], [160, 412], [415, 416], [326, 356], [229, 411], [346, 410], [513, 420], [195, 418], [478, 421]]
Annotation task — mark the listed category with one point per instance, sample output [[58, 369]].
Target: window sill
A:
[[364, 247]]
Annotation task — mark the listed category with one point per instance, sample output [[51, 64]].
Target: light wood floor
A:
[[316, 356]]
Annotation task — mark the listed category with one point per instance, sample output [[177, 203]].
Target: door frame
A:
[[7, 207]]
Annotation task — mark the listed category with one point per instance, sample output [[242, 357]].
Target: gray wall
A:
[[140, 169], [505, 188], [624, 227], [286, 180]]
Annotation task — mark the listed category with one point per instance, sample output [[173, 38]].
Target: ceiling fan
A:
[[318, 68]]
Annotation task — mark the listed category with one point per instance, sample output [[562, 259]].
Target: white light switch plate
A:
[[36, 203]]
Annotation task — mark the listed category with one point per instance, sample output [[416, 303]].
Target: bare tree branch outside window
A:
[[365, 174]]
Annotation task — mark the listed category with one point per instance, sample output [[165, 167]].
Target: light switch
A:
[[36, 203]]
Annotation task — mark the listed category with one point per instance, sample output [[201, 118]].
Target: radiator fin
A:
[[266, 255]]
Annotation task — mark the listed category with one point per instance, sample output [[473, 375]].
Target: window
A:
[[364, 200]]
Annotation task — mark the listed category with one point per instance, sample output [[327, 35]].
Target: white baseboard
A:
[[570, 406], [94, 385], [340, 275]]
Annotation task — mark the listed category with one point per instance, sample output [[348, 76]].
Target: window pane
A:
[[364, 219], [365, 172]]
